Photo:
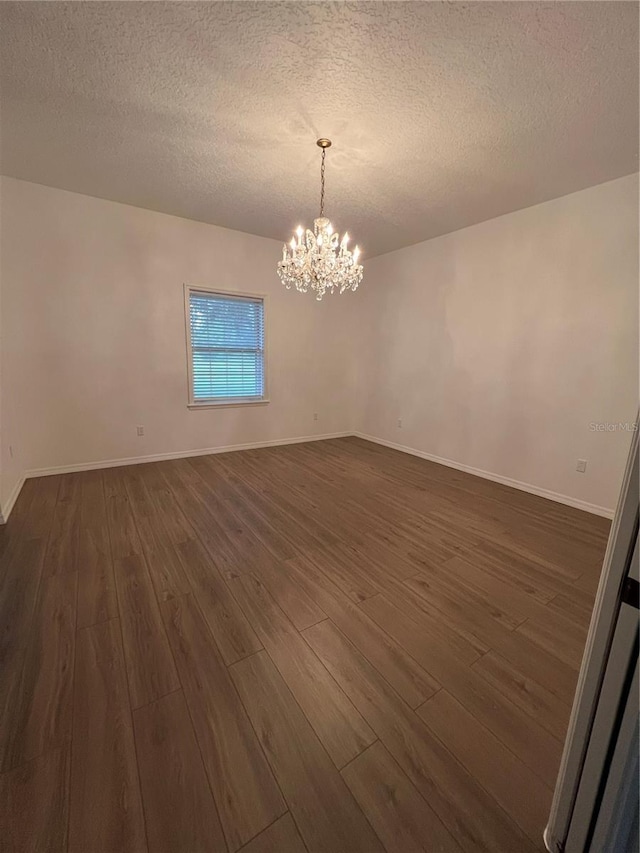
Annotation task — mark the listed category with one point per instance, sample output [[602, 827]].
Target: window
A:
[[225, 341]]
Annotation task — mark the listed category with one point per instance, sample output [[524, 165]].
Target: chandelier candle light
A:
[[318, 259]]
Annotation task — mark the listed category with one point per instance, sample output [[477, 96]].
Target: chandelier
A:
[[318, 259]]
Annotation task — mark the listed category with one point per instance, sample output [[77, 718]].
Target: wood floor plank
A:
[[105, 805], [338, 563], [232, 632], [93, 509], [404, 674], [557, 636], [570, 518], [588, 581], [419, 636], [267, 526], [462, 642], [524, 736], [521, 794], [33, 511], [64, 537], [211, 473], [246, 794], [151, 672], [167, 575], [322, 805], [122, 527], [158, 517], [22, 569], [231, 543], [44, 706], [97, 598], [404, 550], [214, 471], [505, 595], [31, 518], [179, 808], [215, 526], [281, 837], [504, 560], [540, 703], [474, 819], [524, 574], [400, 816], [35, 804], [301, 609], [10, 686], [336, 722], [576, 606], [554, 549], [279, 525], [463, 606], [548, 670], [269, 506], [167, 509]]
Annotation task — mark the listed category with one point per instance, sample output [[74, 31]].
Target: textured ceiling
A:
[[442, 114]]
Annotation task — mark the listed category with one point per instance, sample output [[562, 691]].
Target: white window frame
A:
[[216, 404]]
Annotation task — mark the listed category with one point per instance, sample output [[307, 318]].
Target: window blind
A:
[[227, 347]]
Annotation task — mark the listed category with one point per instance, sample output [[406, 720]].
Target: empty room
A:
[[318, 427]]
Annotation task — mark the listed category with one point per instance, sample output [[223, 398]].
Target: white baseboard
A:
[[154, 457], [496, 478], [183, 454], [178, 454], [13, 497]]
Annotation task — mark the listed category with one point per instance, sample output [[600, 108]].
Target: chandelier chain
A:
[[324, 151]]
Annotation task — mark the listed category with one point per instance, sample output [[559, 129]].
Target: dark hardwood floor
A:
[[328, 647]]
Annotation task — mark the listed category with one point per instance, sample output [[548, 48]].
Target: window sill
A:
[[210, 404]]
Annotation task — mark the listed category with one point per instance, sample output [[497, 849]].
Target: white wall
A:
[[500, 344], [496, 345], [93, 335]]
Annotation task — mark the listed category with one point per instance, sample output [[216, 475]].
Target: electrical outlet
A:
[[315, 416], [581, 467], [140, 430], [399, 423]]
